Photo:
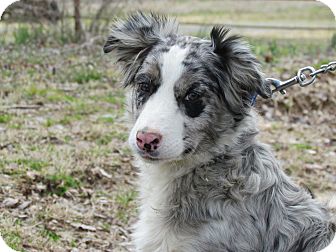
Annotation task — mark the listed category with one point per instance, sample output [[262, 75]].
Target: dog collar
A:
[[253, 98]]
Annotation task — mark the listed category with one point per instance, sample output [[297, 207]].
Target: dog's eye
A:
[[192, 96], [193, 104], [145, 87]]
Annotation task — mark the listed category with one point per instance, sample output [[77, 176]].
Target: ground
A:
[[66, 174]]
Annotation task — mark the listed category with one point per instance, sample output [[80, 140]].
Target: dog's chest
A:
[[152, 233]]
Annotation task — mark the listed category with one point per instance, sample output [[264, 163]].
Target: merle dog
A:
[[206, 182]]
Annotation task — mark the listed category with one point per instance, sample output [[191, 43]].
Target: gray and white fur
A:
[[206, 183]]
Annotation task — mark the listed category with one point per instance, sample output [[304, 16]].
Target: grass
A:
[[13, 240], [124, 199], [10, 231], [32, 164], [20, 166], [302, 146], [22, 35], [51, 235], [106, 138], [85, 75], [106, 119], [33, 92], [49, 94], [257, 12], [60, 183], [5, 118]]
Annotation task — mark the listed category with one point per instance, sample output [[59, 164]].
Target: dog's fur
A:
[[210, 186]]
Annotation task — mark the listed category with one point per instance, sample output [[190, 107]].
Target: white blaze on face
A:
[[161, 112]]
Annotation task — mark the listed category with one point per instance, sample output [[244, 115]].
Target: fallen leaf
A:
[[311, 152], [311, 167], [83, 227], [10, 202], [24, 205], [104, 173]]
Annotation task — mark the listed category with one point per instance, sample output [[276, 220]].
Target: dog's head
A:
[[187, 92]]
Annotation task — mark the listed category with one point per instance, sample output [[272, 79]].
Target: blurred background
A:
[[66, 177]]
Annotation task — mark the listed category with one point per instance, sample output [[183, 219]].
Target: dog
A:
[[205, 182]]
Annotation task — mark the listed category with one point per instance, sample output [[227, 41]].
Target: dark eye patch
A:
[[193, 103], [194, 109]]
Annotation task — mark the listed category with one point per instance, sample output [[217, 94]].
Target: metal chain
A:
[[304, 77]]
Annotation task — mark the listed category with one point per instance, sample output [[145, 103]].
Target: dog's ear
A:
[[236, 58], [131, 39]]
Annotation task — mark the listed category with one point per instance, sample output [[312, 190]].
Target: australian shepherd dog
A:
[[206, 183]]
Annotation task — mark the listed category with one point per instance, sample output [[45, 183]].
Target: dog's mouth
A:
[[150, 156], [155, 158]]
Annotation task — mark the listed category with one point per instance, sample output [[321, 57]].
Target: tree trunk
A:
[[100, 11], [78, 23]]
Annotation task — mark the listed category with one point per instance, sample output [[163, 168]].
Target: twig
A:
[[23, 107]]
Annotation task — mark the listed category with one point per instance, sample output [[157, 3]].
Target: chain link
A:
[[304, 77]]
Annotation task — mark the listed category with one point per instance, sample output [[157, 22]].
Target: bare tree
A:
[[78, 23], [95, 21]]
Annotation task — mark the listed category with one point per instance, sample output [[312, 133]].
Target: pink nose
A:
[[148, 141]]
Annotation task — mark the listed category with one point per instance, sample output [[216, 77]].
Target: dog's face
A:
[[187, 93]]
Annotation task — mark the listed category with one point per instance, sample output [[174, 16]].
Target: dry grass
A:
[[64, 160]]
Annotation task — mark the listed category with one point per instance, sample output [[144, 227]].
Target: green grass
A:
[[23, 165], [117, 99], [302, 146], [51, 95], [106, 138], [33, 91], [22, 35], [60, 183], [68, 119], [106, 227], [32, 164], [51, 235], [5, 118], [50, 122], [277, 48], [30, 34], [124, 199], [55, 96], [106, 119], [13, 239], [83, 108], [85, 75]]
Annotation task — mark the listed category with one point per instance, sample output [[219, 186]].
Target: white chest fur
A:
[[151, 232]]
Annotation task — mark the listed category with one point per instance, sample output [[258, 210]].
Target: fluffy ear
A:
[[236, 58], [132, 39]]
